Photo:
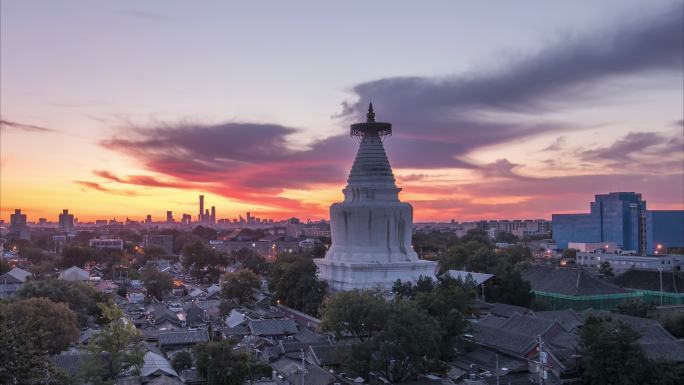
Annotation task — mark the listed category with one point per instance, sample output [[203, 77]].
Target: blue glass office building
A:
[[618, 217], [664, 228]]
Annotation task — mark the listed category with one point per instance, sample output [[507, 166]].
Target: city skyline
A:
[[521, 118]]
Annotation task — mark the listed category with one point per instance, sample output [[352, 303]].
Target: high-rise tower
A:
[[200, 217], [371, 229]]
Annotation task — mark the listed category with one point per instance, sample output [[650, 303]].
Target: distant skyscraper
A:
[[618, 217], [200, 217], [212, 216], [187, 219], [169, 217], [66, 222], [18, 225], [148, 219]]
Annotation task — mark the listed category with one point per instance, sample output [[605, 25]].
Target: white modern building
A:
[[624, 262], [106, 243], [371, 229]]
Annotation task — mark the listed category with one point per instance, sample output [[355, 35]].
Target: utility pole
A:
[[541, 365], [497, 369], [303, 367], [660, 270]]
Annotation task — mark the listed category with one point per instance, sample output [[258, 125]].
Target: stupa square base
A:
[[343, 276]]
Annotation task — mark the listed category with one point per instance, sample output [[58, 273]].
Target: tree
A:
[[569, 253], [219, 364], [182, 360], [206, 233], [156, 283], [4, 266], [294, 283], [82, 298], [357, 313], [511, 289], [459, 256], [606, 269], [45, 325], [611, 354], [673, 323], [117, 347], [22, 361], [635, 307], [76, 256], [202, 260], [43, 270], [505, 237], [238, 286], [408, 344], [409, 290], [251, 260]]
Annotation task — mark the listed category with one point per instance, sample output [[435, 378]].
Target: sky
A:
[[500, 109]]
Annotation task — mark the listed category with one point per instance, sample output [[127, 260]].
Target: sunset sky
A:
[[500, 110]]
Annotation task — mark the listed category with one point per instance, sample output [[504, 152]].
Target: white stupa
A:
[[371, 230]]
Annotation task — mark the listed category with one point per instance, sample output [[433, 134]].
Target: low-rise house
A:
[[106, 287], [155, 365], [163, 318], [574, 288], [660, 287], [289, 371], [74, 273], [135, 297], [12, 281], [658, 343], [181, 339], [273, 329]]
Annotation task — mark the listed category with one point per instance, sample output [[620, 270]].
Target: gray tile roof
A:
[[155, 364], [273, 327], [667, 351], [568, 318], [650, 280], [529, 325], [70, 362], [568, 281], [290, 369], [501, 309], [183, 337], [502, 339]]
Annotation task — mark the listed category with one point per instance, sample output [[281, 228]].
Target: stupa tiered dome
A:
[[371, 229]]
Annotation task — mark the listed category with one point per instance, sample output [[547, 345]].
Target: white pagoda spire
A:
[[371, 230]]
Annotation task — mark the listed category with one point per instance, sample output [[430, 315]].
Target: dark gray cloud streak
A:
[[8, 124], [444, 111]]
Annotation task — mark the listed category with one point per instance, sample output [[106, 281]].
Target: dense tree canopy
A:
[[115, 348], [251, 260], [238, 286], [157, 283], [636, 307], [611, 355], [357, 313], [43, 324], [82, 298], [293, 282], [410, 334], [181, 361], [219, 364], [202, 260], [397, 339], [23, 361], [76, 256]]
